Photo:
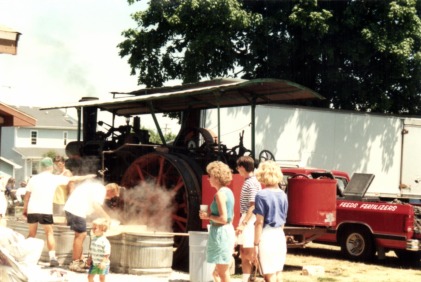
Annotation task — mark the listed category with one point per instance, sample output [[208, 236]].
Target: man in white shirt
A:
[[38, 203], [86, 199]]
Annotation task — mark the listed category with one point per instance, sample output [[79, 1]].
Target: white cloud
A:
[[67, 50]]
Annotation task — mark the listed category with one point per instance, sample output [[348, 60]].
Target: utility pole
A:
[[166, 129]]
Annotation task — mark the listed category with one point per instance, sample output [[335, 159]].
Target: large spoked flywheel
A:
[[175, 175]]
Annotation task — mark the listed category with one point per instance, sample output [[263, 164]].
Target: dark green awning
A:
[[202, 95]]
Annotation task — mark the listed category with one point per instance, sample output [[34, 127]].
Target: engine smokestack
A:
[[89, 118]]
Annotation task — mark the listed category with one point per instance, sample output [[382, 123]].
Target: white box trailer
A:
[[411, 158], [384, 145]]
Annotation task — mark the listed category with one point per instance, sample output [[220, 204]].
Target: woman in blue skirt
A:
[[221, 239]]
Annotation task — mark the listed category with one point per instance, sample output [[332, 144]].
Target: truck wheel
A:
[[406, 255], [357, 244]]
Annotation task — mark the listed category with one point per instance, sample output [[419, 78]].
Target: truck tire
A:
[[357, 244]]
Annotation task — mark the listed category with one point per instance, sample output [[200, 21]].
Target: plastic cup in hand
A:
[[204, 208]]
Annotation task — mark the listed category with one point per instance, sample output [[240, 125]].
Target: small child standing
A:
[[100, 251]]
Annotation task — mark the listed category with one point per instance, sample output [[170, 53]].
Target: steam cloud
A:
[[147, 204]]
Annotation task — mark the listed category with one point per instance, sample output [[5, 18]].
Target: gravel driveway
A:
[[175, 276]]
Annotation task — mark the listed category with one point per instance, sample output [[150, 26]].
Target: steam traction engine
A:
[[125, 155]]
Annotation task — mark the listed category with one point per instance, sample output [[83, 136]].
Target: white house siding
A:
[[47, 138], [18, 139], [7, 138], [6, 169], [7, 152], [7, 145], [348, 141]]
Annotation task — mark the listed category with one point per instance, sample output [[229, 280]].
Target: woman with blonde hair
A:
[[221, 233], [271, 207]]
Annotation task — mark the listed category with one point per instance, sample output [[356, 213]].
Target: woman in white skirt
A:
[[271, 207], [245, 228]]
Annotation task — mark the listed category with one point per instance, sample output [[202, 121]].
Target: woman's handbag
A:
[[254, 275]]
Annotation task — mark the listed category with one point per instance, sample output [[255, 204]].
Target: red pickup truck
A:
[[368, 225]]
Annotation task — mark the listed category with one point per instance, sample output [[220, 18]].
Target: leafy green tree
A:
[[360, 54], [155, 139], [50, 154], [186, 40]]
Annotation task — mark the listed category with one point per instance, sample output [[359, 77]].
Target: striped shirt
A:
[[100, 247], [248, 192]]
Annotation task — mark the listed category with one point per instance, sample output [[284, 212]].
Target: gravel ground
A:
[[70, 276], [114, 277]]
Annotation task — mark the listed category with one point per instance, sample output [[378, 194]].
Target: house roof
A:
[[10, 116], [37, 153], [55, 118], [15, 165]]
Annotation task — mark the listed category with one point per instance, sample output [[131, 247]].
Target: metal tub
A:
[[144, 253], [62, 235]]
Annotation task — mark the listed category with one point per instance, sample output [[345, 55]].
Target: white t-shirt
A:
[[81, 201], [42, 187], [20, 193]]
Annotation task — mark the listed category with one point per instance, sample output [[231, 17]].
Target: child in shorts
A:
[[100, 250]]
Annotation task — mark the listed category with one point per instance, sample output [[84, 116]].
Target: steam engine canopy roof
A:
[[203, 95]]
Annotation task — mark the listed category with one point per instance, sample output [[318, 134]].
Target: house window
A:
[[34, 135], [35, 167], [65, 138]]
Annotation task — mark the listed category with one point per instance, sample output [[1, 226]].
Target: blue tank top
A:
[[229, 196]]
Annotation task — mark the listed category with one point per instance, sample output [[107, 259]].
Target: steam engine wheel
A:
[[175, 175]]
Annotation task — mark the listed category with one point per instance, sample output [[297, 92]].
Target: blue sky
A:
[[67, 50]]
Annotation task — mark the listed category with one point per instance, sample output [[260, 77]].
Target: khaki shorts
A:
[[246, 238]]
